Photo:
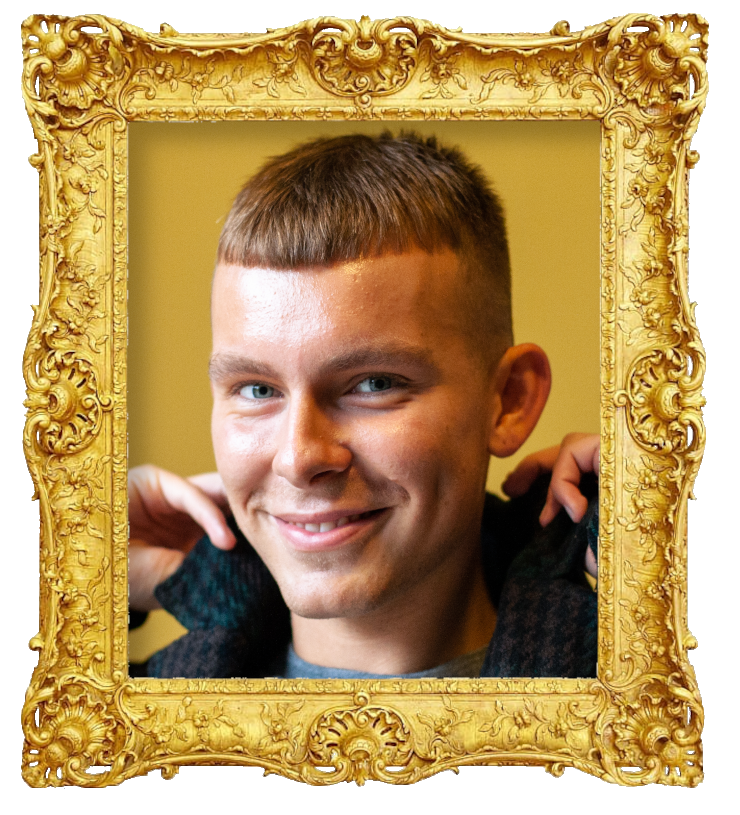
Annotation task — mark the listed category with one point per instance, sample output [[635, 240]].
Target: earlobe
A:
[[521, 386]]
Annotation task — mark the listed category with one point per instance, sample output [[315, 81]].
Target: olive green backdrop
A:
[[182, 179]]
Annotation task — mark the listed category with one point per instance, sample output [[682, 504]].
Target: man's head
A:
[[360, 315]]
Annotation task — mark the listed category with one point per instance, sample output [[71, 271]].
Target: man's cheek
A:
[[414, 450], [239, 446]]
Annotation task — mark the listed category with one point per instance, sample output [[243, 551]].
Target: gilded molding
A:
[[365, 59], [84, 79]]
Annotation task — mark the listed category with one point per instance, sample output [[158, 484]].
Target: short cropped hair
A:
[[334, 200]]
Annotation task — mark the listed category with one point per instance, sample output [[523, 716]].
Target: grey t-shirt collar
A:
[[466, 665]]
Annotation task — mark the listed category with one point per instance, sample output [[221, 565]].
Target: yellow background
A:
[[182, 179]]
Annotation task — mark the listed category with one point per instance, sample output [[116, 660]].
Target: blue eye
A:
[[375, 384], [258, 391]]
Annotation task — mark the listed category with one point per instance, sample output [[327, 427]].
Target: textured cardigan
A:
[[239, 626]]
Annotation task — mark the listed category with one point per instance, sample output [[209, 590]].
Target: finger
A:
[[148, 566], [568, 496], [595, 459], [564, 488], [527, 471], [579, 453], [551, 508], [566, 477], [563, 495], [591, 565], [166, 510], [213, 486], [187, 497], [584, 449]]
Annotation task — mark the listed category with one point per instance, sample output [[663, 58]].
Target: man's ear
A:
[[521, 386]]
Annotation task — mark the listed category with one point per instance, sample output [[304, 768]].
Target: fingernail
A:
[[226, 539]]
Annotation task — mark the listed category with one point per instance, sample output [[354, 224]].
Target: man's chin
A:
[[326, 605], [328, 611]]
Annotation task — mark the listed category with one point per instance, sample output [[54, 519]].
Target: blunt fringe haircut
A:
[[334, 200]]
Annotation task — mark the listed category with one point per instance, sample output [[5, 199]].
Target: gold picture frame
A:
[[86, 722]]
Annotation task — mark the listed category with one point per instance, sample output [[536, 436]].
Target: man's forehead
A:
[[382, 313], [417, 276]]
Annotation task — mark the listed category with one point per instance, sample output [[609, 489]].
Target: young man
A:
[[362, 373]]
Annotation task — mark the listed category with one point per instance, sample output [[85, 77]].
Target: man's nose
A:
[[309, 447]]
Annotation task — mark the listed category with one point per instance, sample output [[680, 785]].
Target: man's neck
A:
[[450, 615]]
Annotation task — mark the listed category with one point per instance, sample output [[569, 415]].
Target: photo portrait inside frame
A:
[[120, 306], [182, 181]]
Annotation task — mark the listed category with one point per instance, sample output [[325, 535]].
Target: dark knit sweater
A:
[[239, 626]]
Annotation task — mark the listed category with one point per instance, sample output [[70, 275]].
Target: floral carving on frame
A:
[[644, 79]]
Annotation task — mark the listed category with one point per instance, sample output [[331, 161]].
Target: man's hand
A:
[[577, 454], [167, 516]]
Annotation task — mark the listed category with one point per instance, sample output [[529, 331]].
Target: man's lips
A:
[[324, 530], [313, 522]]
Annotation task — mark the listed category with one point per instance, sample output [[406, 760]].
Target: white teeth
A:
[[327, 527]]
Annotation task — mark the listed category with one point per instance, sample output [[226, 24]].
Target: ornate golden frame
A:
[[85, 721]]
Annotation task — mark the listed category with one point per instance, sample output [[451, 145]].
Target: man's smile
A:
[[310, 532]]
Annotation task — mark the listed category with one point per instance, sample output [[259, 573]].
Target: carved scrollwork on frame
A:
[[563, 73], [654, 66], [85, 79], [364, 59], [65, 409], [70, 728], [361, 742], [658, 733], [71, 67], [664, 401]]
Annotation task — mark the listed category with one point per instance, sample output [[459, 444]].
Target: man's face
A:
[[350, 424]]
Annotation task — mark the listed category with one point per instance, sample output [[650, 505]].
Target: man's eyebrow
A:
[[379, 356], [225, 365]]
